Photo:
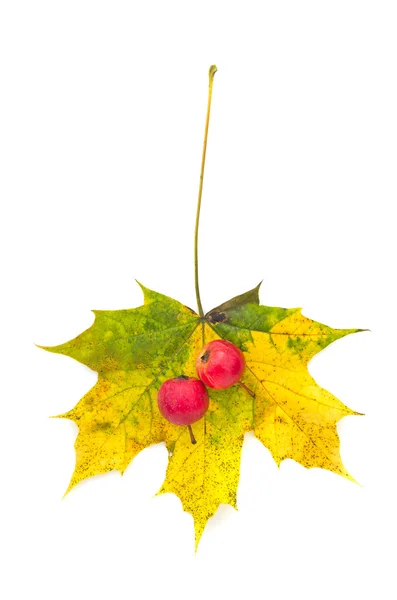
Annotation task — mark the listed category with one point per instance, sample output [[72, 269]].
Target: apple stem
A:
[[211, 75], [192, 438], [251, 393]]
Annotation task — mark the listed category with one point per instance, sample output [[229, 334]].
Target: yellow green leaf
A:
[[134, 351]]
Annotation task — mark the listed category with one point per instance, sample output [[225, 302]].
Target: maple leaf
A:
[[134, 351]]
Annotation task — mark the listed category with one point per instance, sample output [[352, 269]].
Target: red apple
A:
[[220, 364], [183, 400]]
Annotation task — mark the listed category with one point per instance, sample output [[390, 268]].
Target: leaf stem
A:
[[250, 392], [211, 75], [192, 438]]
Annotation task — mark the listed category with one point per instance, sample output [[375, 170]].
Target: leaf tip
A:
[[161, 491], [67, 415], [256, 291], [344, 332], [198, 533], [357, 414], [48, 348], [54, 349], [69, 488], [351, 478], [145, 290]]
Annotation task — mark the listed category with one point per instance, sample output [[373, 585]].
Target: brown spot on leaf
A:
[[217, 317]]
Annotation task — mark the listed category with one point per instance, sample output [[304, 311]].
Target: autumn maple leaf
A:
[[134, 351]]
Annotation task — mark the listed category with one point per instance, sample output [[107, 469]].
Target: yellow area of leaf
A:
[[294, 417], [206, 475]]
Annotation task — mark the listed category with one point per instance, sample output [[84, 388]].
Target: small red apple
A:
[[183, 400], [220, 364]]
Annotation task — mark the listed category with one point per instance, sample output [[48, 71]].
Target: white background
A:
[[102, 115]]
